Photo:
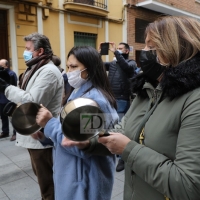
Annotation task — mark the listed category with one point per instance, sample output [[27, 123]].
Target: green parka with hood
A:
[[168, 162]]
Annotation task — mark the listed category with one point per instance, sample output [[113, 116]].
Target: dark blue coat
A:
[[120, 72], [13, 81]]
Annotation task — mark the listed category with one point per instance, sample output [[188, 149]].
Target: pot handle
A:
[[103, 133], [9, 109]]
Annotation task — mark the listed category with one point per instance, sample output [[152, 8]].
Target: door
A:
[[4, 35]]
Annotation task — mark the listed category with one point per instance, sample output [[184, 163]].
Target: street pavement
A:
[[17, 180]]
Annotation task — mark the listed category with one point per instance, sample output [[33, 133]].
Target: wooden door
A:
[[4, 35]]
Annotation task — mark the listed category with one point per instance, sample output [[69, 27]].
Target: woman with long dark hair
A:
[[94, 71], [83, 170]]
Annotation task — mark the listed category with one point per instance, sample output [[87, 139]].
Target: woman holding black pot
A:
[[161, 141], [83, 170]]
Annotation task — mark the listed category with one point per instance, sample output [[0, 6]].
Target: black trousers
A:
[[4, 119], [42, 164]]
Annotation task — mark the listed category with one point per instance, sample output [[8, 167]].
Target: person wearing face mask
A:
[[121, 70], [41, 83], [160, 144], [83, 170]]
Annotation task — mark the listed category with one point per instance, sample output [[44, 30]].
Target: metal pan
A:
[[82, 119], [23, 117]]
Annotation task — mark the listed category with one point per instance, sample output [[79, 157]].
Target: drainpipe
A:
[[62, 36], [124, 18]]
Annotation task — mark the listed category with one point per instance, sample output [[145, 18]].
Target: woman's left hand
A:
[[115, 143], [69, 143]]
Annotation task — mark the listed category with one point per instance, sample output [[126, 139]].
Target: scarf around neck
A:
[[32, 66], [175, 82]]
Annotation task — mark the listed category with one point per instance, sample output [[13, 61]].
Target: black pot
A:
[[82, 119]]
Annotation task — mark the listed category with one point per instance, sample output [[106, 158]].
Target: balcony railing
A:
[[33, 1], [98, 3]]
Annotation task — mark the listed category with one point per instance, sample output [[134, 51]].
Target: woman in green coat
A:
[[161, 140]]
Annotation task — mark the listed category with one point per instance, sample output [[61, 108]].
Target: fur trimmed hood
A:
[[176, 81]]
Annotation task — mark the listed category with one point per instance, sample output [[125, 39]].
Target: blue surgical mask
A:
[[27, 55]]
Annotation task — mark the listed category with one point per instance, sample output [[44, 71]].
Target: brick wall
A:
[[134, 12], [191, 6], [141, 13]]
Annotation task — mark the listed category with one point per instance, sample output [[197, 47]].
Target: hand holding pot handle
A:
[[104, 133], [70, 143], [115, 143], [43, 116]]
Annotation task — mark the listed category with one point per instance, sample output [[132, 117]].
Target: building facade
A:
[[142, 12], [65, 22]]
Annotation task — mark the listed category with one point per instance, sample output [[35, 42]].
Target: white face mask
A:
[[120, 51], [75, 79]]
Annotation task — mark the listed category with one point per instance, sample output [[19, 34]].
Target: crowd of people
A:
[[156, 136]]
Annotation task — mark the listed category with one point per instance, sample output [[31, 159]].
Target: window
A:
[[85, 39], [140, 26]]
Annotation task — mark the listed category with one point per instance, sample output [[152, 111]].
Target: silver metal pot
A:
[[23, 117], [82, 119]]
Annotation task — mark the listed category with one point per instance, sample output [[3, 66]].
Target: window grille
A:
[[98, 3], [85, 39]]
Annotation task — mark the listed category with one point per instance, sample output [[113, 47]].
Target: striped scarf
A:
[[33, 65]]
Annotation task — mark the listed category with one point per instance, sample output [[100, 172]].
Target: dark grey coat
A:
[[119, 75]]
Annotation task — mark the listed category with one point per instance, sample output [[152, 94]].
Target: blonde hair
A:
[[176, 38]]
